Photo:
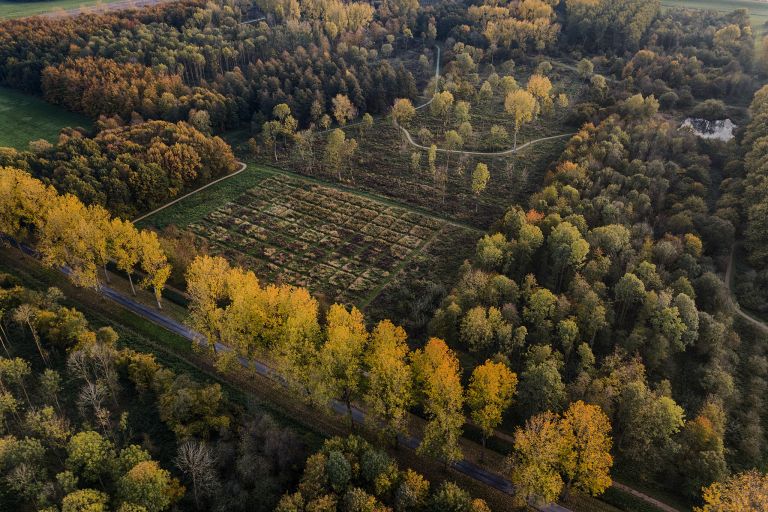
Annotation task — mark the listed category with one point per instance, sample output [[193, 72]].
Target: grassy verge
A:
[[24, 118]]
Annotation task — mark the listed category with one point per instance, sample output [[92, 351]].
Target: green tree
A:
[[148, 485]]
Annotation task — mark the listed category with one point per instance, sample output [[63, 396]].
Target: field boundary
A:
[[243, 166]]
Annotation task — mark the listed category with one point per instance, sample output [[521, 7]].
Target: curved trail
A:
[[734, 301], [482, 153]]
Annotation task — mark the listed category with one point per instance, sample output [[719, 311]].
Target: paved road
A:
[[151, 314], [463, 466]]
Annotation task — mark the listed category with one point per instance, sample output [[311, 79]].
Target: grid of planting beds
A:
[[340, 245]]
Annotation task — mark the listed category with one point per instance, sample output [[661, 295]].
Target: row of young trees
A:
[[82, 239], [339, 359]]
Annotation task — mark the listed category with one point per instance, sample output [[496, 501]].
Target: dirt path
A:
[[734, 301], [243, 166]]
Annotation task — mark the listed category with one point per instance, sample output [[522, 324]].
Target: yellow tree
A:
[[343, 109], [206, 280], [441, 105], [123, 247], [341, 356], [242, 320], [541, 88], [437, 376], [72, 236], [480, 177], [403, 111], [743, 492], [23, 199], [390, 392], [154, 264], [587, 460], [295, 340], [522, 106], [489, 394], [535, 460]]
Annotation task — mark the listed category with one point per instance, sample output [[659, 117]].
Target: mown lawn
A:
[[758, 11], [13, 9], [24, 118]]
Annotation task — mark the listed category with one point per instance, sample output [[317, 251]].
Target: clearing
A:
[[24, 118], [344, 246]]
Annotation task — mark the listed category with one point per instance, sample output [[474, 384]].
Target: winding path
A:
[[734, 301]]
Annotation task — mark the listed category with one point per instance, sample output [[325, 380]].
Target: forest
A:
[[398, 255]]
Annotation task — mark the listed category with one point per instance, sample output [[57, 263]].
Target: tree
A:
[[206, 279], [540, 87], [746, 491], [124, 246], [480, 177], [338, 150], [90, 455], [587, 460], [389, 393], [85, 500], [154, 263], [441, 105], [567, 250], [585, 68], [489, 394], [535, 460], [436, 371], [341, 356], [403, 111], [148, 485], [73, 235], [196, 460], [646, 423], [192, 409], [343, 109], [522, 106], [25, 314]]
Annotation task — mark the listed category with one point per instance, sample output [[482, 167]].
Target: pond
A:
[[722, 129]]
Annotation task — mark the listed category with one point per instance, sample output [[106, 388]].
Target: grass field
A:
[[343, 246], [758, 11], [24, 118], [11, 9]]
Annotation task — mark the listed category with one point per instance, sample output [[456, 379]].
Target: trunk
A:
[[130, 280], [351, 418], [157, 297], [106, 274], [482, 453], [515, 146], [37, 344]]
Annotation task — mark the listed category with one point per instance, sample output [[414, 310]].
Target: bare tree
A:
[[25, 314], [196, 461]]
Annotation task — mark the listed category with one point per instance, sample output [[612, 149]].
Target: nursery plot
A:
[[342, 246]]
